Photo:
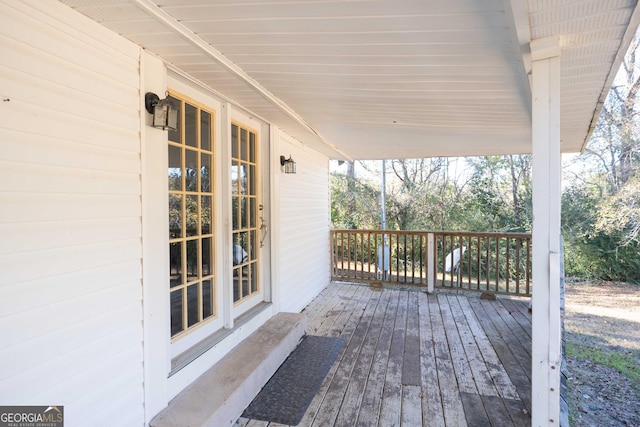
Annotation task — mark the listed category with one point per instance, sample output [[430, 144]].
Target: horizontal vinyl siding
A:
[[304, 227], [70, 253]]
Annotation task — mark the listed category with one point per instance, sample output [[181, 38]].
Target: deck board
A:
[[475, 412], [523, 318], [481, 374], [353, 334], [520, 348], [412, 359], [348, 413], [390, 409], [497, 411], [372, 397], [461, 366], [496, 370], [519, 375], [453, 410], [519, 413], [514, 326], [411, 413], [432, 410]]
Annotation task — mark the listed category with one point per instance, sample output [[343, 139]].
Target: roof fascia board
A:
[[629, 34]]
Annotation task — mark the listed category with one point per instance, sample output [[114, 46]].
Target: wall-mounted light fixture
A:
[[165, 114], [289, 164]]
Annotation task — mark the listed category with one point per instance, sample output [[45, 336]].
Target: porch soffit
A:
[[372, 79]]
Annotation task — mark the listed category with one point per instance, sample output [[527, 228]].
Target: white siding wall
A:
[[302, 256], [70, 217]]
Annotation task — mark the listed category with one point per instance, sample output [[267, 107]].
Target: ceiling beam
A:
[[521, 35]]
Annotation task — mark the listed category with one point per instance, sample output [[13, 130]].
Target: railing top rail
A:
[[439, 233]]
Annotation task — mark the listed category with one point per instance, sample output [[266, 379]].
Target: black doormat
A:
[[286, 396]]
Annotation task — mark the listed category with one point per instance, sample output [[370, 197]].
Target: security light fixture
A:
[[288, 164], [165, 113]]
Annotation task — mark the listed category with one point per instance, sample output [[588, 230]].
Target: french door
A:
[[246, 223], [204, 298], [194, 300]]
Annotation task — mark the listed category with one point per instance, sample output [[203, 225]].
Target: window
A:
[[191, 218]]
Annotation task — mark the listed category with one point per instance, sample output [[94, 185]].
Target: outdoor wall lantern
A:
[[165, 114], [289, 164]]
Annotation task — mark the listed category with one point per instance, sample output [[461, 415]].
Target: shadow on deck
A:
[[414, 359]]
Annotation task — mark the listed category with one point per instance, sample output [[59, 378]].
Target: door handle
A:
[[264, 228]]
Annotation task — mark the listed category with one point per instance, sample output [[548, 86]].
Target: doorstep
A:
[[220, 395]]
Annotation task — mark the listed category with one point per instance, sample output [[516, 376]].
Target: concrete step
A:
[[220, 395]]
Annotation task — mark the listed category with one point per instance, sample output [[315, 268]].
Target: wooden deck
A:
[[413, 359]]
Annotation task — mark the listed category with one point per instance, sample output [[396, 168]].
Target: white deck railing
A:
[[494, 262]]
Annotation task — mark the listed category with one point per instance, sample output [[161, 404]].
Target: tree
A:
[[606, 243], [616, 148], [620, 213], [500, 193], [353, 203]]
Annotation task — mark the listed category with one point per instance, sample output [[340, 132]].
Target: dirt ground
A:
[[602, 319]]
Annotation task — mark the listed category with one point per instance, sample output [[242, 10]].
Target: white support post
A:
[[546, 348], [431, 274]]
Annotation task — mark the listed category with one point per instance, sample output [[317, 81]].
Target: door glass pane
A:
[[234, 141], [205, 173], [252, 245], [243, 179], [252, 179], [192, 215], [206, 214], [245, 281], [254, 281], [191, 170], [235, 181], [190, 125], [236, 285], [243, 240], [252, 147], [207, 257], [244, 141], [175, 216], [207, 299], [192, 260], [205, 130], [239, 249], [175, 264], [235, 213], [176, 312], [244, 212], [252, 213], [175, 168], [192, 305]]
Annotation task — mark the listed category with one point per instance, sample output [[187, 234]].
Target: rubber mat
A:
[[287, 395]]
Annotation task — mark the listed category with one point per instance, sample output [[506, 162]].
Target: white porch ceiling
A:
[[373, 79]]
